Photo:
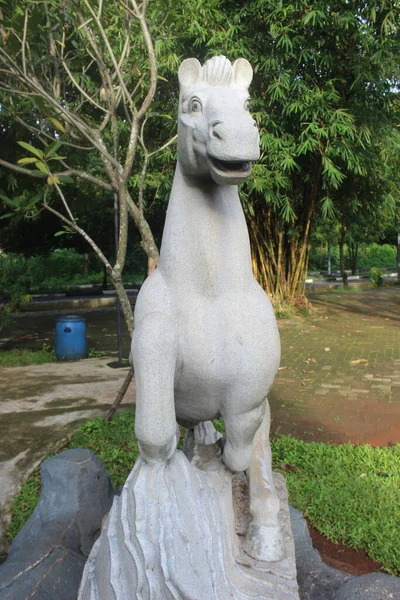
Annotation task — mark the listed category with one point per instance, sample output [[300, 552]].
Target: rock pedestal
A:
[[47, 557], [177, 533]]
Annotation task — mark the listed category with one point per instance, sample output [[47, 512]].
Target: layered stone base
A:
[[177, 533]]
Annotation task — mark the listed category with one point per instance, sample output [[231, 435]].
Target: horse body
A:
[[206, 342], [227, 332]]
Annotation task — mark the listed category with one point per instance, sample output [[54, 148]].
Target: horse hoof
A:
[[264, 543]]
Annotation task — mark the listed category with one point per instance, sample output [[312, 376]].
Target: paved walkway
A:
[[339, 379], [40, 405]]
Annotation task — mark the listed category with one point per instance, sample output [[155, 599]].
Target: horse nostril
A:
[[213, 131]]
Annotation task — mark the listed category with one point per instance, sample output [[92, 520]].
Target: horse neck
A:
[[205, 245]]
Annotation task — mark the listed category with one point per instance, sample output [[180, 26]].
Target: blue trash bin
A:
[[71, 343]]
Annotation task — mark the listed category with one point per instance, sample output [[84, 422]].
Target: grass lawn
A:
[[351, 494]]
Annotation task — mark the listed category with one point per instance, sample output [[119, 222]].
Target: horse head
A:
[[217, 137]]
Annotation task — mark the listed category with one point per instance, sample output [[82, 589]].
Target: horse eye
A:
[[247, 104], [195, 106]]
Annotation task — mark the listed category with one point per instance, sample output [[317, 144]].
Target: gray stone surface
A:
[[171, 536], [317, 581], [47, 557], [374, 586]]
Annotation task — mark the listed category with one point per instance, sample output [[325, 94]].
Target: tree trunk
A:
[[342, 241], [353, 254], [329, 258], [398, 251]]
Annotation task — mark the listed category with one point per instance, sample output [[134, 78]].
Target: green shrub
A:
[[62, 263], [15, 282], [376, 255], [376, 275], [369, 255]]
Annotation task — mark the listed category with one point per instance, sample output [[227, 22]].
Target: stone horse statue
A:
[[211, 523], [206, 343]]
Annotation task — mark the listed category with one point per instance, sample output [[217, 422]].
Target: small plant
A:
[[93, 353], [376, 275], [20, 357]]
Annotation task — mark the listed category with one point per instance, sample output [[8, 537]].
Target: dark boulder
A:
[[47, 557]]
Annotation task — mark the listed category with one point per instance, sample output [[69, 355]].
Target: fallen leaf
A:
[[362, 475], [285, 467], [327, 349], [358, 361]]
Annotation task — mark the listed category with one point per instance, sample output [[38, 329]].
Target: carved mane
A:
[[218, 71]]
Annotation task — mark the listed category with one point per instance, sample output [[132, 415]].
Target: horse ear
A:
[[242, 72], [189, 72]]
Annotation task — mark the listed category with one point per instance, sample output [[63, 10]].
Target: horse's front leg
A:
[[154, 352], [264, 537]]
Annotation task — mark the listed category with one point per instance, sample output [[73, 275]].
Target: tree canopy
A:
[[93, 87]]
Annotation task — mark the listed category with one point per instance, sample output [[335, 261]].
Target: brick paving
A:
[[339, 379]]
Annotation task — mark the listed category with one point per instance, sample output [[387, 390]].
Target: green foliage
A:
[[23, 357], [377, 255], [349, 493], [369, 255], [15, 281], [63, 263], [23, 504], [325, 98], [93, 353], [114, 443], [377, 276]]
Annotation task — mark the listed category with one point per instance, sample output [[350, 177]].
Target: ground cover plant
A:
[[20, 357], [351, 494]]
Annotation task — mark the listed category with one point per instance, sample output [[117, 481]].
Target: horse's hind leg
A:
[[264, 537], [154, 351]]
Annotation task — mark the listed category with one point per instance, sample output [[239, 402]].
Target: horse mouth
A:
[[241, 168]]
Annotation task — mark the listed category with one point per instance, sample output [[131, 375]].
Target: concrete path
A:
[[40, 405]]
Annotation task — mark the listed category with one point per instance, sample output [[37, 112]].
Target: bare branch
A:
[[126, 48], [24, 41], [171, 141], [82, 91], [63, 200], [16, 91], [21, 170], [105, 121], [87, 177], [72, 172], [110, 50], [153, 64], [78, 229]]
